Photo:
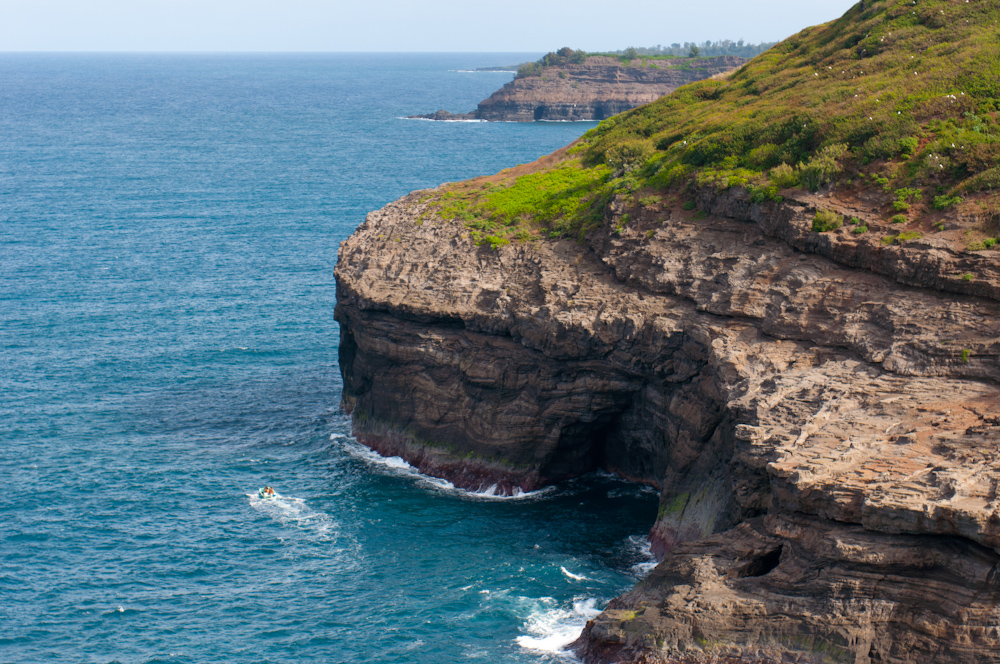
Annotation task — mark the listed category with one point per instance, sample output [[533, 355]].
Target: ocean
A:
[[169, 226]]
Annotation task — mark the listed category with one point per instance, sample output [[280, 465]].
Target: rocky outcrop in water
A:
[[819, 411], [594, 90]]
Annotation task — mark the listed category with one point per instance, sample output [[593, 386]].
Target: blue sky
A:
[[394, 25]]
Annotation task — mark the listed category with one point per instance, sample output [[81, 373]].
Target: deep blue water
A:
[[168, 232]]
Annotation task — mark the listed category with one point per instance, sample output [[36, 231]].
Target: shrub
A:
[[903, 196], [858, 230], [563, 56], [668, 177], [966, 353], [827, 220], [689, 205], [764, 156], [822, 167], [902, 237], [908, 146], [968, 276], [944, 202], [495, 241], [762, 194], [784, 176], [855, 221], [628, 155], [907, 194], [989, 242], [529, 69], [899, 219]]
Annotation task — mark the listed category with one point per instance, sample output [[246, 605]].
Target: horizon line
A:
[[171, 52], [288, 52]]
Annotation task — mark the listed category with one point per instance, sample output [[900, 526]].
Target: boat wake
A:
[[294, 512]]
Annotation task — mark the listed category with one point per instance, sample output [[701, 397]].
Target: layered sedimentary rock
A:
[[820, 413], [794, 588], [594, 90]]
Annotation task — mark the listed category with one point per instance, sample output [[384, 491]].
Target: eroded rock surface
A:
[[790, 588], [824, 427]]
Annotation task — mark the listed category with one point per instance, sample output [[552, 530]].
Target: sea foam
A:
[[575, 577], [551, 630], [398, 465], [641, 546]]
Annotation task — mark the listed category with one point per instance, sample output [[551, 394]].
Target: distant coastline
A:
[[573, 86]]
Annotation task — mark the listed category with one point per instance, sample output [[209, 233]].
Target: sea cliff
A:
[[825, 462], [593, 90]]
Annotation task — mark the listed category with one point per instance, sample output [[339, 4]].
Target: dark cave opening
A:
[[762, 564]]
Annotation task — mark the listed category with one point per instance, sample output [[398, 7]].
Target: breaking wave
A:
[[400, 466], [551, 630]]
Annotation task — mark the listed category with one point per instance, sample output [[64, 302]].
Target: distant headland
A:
[[573, 85]]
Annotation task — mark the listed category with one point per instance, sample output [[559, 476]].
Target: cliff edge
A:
[[787, 319]]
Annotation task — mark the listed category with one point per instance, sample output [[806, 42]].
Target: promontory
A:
[[775, 296], [593, 89]]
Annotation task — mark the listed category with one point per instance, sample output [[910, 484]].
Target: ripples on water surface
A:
[[168, 230]]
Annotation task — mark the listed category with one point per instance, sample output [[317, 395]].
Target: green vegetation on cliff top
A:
[[647, 56], [707, 49], [899, 94]]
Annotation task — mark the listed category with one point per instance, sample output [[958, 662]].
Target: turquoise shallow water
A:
[[168, 231]]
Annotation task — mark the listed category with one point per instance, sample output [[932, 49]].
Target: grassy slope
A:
[[898, 94]]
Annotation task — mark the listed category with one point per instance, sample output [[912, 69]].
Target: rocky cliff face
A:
[[595, 90], [821, 415]]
